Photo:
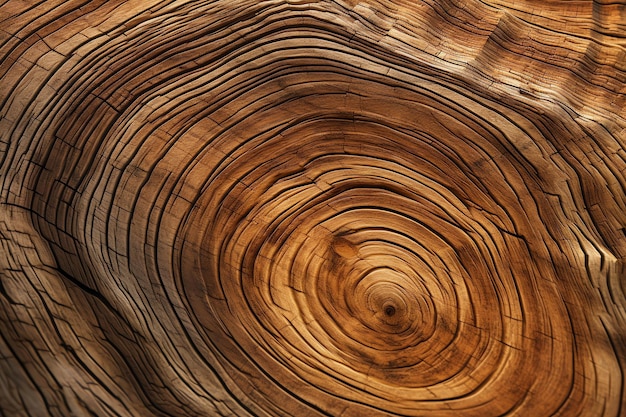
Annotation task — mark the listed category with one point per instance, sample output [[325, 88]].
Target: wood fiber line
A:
[[300, 208]]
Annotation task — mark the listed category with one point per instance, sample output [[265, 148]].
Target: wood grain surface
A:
[[303, 208]]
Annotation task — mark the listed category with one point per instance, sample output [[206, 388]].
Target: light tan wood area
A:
[[303, 208]]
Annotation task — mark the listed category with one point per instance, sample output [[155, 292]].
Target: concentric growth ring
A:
[[347, 251]]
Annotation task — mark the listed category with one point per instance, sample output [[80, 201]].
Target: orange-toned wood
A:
[[301, 208]]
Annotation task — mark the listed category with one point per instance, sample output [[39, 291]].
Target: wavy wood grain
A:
[[313, 208]]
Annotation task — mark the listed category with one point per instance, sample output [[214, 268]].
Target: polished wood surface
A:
[[302, 208]]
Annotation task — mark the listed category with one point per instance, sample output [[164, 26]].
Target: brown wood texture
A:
[[302, 208]]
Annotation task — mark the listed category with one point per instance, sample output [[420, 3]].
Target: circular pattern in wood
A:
[[369, 256], [313, 208]]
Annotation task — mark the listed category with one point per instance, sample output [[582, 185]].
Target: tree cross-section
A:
[[306, 208]]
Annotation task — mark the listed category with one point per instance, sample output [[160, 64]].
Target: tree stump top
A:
[[302, 208]]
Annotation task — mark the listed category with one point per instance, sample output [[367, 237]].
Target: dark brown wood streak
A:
[[302, 208]]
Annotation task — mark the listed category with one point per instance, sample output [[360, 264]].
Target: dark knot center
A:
[[390, 311]]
